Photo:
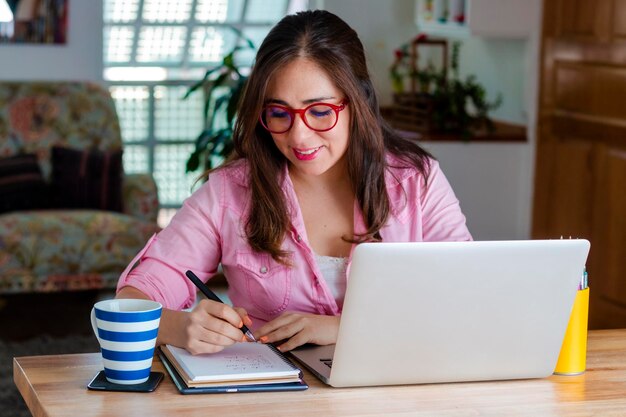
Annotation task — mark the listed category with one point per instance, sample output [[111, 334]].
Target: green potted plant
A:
[[461, 106], [425, 78], [397, 71], [222, 86], [447, 104]]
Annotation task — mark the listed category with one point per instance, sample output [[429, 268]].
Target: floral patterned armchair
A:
[[62, 249]]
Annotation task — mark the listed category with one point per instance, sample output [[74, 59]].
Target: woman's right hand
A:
[[210, 327]]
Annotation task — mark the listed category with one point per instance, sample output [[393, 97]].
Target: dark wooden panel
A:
[[619, 18], [580, 180], [576, 18], [583, 19], [569, 190], [573, 88], [591, 89], [609, 95], [611, 132], [541, 201], [599, 53], [608, 257]]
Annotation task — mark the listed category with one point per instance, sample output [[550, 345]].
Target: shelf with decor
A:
[[488, 18], [443, 17], [434, 102], [502, 132]]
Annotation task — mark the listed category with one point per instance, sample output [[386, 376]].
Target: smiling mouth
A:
[[308, 151], [306, 154]]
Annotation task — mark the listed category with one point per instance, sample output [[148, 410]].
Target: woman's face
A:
[[297, 85]]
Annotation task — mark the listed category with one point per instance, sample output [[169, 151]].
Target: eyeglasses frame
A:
[[292, 112]]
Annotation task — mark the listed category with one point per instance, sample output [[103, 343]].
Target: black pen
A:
[[211, 296]]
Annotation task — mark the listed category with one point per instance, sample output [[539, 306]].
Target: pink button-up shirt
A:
[[209, 230]]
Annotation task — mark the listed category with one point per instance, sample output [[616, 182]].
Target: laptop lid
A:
[[432, 312]]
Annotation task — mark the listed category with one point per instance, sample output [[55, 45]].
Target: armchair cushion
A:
[[56, 250], [87, 178], [22, 186], [36, 116], [140, 197]]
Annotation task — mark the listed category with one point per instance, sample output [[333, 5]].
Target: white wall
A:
[[79, 59], [493, 184], [492, 181], [383, 26]]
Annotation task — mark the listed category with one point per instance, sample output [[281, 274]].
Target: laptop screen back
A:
[[455, 311]]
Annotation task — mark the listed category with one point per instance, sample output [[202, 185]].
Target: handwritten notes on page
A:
[[241, 361]]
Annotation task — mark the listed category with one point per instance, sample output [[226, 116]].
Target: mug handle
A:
[[94, 326]]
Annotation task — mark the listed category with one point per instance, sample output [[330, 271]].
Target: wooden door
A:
[[580, 181]]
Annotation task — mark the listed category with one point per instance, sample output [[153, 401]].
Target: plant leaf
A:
[[203, 139], [209, 95], [234, 100], [193, 162], [221, 100], [200, 83], [249, 42], [222, 86]]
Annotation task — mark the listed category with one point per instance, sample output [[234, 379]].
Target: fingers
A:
[[298, 328], [221, 311], [298, 340], [294, 328], [284, 332], [206, 341], [266, 332], [211, 327], [244, 316]]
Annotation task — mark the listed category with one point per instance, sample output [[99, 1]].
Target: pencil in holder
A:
[[573, 357]]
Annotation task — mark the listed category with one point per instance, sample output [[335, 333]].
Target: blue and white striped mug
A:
[[126, 330]]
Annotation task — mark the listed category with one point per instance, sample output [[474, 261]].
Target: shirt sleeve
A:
[[190, 242], [442, 217]]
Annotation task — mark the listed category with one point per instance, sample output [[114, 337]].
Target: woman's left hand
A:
[[298, 329]]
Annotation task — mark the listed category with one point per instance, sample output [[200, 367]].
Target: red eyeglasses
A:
[[320, 117]]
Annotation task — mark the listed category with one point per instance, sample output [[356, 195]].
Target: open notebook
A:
[[240, 367]]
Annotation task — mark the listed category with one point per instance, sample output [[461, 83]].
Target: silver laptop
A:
[[451, 312]]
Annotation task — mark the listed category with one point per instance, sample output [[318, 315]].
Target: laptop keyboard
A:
[[327, 362]]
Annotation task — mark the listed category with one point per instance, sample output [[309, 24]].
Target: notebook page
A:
[[240, 361]]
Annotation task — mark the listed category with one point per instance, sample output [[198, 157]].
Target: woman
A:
[[316, 171]]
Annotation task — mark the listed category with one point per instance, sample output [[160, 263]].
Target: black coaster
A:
[[100, 383]]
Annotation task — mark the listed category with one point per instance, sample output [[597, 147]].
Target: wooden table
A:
[[55, 386]]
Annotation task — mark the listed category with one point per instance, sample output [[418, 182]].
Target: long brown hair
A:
[[327, 40]]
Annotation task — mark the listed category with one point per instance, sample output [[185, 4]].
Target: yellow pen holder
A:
[[573, 356]]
